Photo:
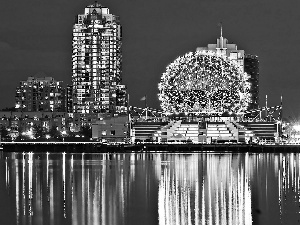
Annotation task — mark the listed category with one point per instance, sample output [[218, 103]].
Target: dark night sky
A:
[[36, 36]]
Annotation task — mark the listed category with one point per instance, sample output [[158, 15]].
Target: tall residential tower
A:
[[96, 61]]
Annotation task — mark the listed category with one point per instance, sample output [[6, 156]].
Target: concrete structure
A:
[[111, 129], [40, 94], [96, 61], [226, 130]]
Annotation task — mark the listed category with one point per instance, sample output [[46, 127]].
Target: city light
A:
[[296, 127], [204, 81]]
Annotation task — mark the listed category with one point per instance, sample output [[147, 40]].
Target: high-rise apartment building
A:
[[40, 94], [96, 61]]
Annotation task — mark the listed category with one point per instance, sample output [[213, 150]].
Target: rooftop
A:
[[95, 5]]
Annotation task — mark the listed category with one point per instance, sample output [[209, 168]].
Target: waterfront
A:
[[149, 188], [96, 147]]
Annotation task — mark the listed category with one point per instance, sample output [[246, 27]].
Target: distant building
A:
[[121, 99], [24, 121], [69, 99], [230, 50], [111, 129], [251, 66], [40, 94], [248, 63], [96, 62]]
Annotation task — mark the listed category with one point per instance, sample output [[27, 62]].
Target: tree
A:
[[38, 131], [4, 134], [54, 133], [21, 136], [86, 131], [226, 114]]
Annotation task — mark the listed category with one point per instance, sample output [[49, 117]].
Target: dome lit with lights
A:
[[204, 82]]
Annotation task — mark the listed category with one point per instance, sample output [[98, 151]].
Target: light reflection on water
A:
[[216, 193], [164, 189]]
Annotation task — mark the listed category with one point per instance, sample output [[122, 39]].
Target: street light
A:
[[64, 133]]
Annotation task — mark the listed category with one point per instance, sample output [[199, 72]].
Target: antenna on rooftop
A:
[[221, 38], [221, 26]]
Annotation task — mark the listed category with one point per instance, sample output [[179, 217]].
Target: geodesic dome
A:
[[204, 82]]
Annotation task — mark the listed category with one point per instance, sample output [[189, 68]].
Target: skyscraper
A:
[[96, 61]]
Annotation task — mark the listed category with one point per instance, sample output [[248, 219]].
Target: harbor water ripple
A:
[[149, 188]]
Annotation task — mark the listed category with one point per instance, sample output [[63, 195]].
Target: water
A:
[[148, 189]]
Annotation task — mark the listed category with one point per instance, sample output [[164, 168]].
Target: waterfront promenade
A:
[[95, 147]]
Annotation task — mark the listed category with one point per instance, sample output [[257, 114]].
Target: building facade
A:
[[251, 66], [24, 122], [113, 129], [222, 47], [40, 94], [121, 99], [69, 98], [96, 60]]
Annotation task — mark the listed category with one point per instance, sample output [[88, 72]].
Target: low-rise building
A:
[[22, 122], [40, 95], [111, 129]]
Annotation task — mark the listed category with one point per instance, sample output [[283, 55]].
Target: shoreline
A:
[[95, 147]]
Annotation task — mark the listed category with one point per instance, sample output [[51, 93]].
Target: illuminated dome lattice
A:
[[204, 82]]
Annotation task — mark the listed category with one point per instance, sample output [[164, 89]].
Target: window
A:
[[112, 132]]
